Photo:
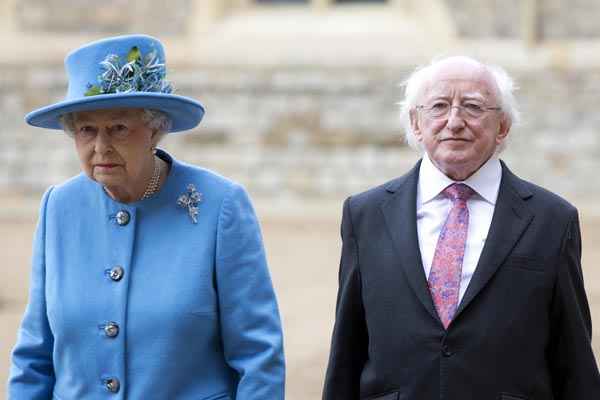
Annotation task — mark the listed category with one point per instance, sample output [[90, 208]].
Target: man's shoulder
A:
[[378, 194], [537, 196]]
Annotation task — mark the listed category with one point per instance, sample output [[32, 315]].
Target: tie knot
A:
[[458, 191]]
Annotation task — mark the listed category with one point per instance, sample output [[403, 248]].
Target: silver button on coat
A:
[[112, 385], [111, 329], [163, 324], [116, 273], [123, 217]]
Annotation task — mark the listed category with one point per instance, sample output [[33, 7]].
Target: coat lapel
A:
[[400, 215], [511, 218]]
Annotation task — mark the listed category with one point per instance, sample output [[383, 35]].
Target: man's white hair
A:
[[416, 82], [155, 120]]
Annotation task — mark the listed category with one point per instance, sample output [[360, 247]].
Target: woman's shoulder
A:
[[66, 197], [204, 178], [74, 186]]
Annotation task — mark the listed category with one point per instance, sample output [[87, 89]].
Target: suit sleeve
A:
[[349, 341], [574, 368], [249, 316], [31, 370]]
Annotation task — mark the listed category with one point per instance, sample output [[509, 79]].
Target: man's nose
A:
[[456, 122]]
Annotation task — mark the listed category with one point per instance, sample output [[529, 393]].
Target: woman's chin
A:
[[108, 180]]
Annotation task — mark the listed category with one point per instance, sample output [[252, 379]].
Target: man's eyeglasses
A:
[[441, 109]]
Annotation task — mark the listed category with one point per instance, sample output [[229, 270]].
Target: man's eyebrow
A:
[[474, 96], [468, 96]]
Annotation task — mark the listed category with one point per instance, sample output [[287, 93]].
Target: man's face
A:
[[461, 140]]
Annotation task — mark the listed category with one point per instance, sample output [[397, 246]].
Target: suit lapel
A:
[[511, 218], [400, 215]]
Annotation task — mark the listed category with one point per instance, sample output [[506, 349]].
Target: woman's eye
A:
[[119, 130], [87, 130]]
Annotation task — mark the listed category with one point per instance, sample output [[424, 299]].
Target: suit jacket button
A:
[[116, 273], [112, 385], [446, 351], [111, 329], [123, 217]]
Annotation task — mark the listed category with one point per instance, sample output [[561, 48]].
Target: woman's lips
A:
[[105, 167]]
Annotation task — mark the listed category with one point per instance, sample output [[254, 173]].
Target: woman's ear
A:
[[155, 138]]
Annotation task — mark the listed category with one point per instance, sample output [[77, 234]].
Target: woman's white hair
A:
[[155, 120], [416, 82]]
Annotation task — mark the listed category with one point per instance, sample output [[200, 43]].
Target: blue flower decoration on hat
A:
[[139, 74], [119, 72]]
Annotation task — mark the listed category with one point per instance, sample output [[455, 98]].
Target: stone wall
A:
[[570, 19], [495, 18], [313, 131], [303, 127], [290, 131], [554, 19], [107, 16]]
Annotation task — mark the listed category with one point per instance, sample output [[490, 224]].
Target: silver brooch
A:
[[190, 201]]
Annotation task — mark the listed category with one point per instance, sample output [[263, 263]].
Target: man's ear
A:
[[503, 129], [414, 124]]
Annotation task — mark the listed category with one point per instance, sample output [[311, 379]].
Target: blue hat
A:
[[119, 72]]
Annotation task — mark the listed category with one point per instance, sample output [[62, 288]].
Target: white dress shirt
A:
[[433, 208]]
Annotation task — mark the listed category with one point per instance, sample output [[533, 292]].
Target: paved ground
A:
[[303, 251]]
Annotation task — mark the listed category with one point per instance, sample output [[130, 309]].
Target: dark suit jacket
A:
[[522, 330]]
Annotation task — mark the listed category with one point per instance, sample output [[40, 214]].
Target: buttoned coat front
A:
[[522, 331], [136, 301]]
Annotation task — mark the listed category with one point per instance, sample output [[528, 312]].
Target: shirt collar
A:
[[485, 181]]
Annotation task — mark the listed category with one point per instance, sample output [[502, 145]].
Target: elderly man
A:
[[459, 280]]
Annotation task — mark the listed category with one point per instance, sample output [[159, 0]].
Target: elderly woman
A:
[[149, 276]]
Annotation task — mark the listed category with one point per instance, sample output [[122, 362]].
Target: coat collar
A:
[[485, 181], [511, 218], [400, 214]]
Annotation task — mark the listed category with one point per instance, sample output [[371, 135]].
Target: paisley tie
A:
[[446, 267]]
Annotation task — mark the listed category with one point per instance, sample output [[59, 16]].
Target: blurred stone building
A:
[[301, 94]]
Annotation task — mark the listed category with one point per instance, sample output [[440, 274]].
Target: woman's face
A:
[[115, 149]]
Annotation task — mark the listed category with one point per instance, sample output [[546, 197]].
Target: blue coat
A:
[[153, 306]]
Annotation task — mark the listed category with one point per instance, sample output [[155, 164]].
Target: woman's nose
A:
[[103, 142]]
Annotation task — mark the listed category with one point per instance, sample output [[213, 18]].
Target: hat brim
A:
[[185, 113]]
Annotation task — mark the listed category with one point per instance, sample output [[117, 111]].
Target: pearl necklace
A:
[[153, 183]]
